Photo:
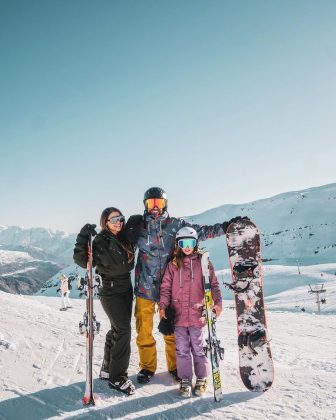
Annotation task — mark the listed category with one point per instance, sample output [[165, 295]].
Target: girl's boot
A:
[[185, 388], [200, 386]]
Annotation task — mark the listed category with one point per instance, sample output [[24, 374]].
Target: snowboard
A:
[[255, 358], [213, 348]]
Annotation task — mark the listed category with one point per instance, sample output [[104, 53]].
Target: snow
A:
[[10, 257], [42, 363], [296, 226], [279, 278]]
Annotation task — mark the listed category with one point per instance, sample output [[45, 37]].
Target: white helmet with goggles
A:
[[186, 232]]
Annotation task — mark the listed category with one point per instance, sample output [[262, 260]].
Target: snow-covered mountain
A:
[[21, 273], [39, 242], [297, 227], [42, 361], [28, 257]]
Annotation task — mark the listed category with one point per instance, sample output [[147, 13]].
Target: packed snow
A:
[[10, 257], [42, 362]]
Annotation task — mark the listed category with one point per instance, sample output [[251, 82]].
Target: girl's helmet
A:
[[186, 232]]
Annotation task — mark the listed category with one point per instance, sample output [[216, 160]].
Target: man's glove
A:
[[88, 230], [225, 225]]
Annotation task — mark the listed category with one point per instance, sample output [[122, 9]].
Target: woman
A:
[[113, 257]]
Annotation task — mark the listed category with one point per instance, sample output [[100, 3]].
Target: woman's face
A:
[[114, 225]]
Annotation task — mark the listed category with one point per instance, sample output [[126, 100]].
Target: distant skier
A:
[[182, 288], [65, 292]]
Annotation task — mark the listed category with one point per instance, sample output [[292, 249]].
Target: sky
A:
[[218, 102]]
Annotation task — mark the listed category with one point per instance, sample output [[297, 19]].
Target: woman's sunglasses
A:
[[116, 219]]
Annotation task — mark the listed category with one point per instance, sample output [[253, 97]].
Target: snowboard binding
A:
[[253, 340], [248, 269]]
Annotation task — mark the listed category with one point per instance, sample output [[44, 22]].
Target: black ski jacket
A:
[[109, 258]]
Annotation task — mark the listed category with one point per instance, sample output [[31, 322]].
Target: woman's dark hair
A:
[[121, 236], [104, 216]]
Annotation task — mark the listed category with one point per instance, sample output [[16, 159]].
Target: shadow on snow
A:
[[65, 401]]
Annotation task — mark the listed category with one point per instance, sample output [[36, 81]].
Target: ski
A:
[[89, 326], [255, 358], [213, 347]]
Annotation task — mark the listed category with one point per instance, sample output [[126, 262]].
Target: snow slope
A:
[[278, 278], [42, 362], [296, 226]]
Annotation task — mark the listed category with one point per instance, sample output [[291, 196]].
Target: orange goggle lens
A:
[[160, 203]]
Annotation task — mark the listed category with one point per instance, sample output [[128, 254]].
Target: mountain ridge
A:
[[297, 227]]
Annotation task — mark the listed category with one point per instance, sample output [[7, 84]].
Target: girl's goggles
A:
[[187, 243], [160, 203]]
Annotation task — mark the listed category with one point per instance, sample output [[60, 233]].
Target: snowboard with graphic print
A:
[[255, 358]]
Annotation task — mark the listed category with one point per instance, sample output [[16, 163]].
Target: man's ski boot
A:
[[123, 385], [144, 376], [104, 371], [175, 376], [185, 388], [200, 386]]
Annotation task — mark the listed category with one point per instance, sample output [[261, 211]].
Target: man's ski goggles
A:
[[160, 203], [116, 219], [187, 243]]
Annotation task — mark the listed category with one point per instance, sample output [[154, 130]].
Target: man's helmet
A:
[[186, 232], [156, 192]]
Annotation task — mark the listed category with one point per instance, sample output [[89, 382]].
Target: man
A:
[[154, 235]]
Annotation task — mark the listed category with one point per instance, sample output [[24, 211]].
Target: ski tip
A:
[[218, 397], [88, 400]]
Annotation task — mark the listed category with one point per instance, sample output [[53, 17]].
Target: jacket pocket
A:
[[197, 311], [176, 304]]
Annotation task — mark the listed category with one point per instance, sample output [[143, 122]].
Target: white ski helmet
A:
[[186, 232]]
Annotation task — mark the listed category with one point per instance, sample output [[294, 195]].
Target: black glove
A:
[[225, 225], [167, 326], [88, 230]]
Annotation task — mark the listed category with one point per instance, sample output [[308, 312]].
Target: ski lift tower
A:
[[318, 289]]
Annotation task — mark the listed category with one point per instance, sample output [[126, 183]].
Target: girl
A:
[[182, 288], [113, 257]]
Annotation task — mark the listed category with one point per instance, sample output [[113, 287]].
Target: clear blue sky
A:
[[216, 101]]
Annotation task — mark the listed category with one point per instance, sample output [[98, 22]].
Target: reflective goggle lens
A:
[[187, 243], [116, 219], [160, 203]]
